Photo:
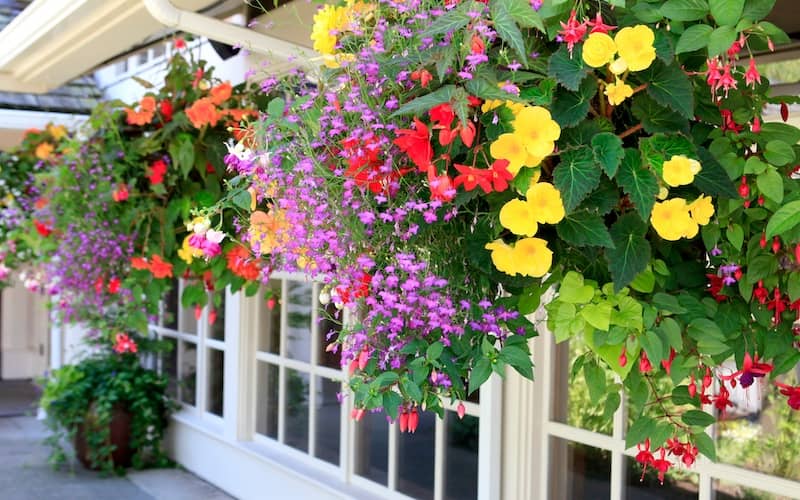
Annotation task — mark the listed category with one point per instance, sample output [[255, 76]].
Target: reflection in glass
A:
[[328, 418], [329, 326], [372, 447], [726, 490], [578, 471], [415, 458], [298, 310], [679, 483], [169, 366], [187, 321], [188, 372], [267, 399], [269, 329], [217, 329], [296, 411], [169, 305], [216, 380], [461, 457]]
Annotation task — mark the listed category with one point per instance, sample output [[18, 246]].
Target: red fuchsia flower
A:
[[423, 76], [734, 49], [572, 31], [357, 414], [598, 26], [726, 81], [124, 344], [751, 76], [692, 387], [98, 285], [413, 421], [751, 369], [667, 363], [157, 171], [166, 110], [715, 284], [363, 359], [793, 394], [797, 253], [416, 144], [644, 456], [271, 302], [776, 244], [644, 363], [212, 316], [198, 312], [623, 358], [728, 124], [114, 285], [760, 293], [120, 193], [662, 465], [180, 43], [713, 74], [501, 175], [690, 454], [756, 126], [403, 420], [722, 400], [784, 111], [777, 305], [42, 228], [461, 410], [763, 241], [472, 177]]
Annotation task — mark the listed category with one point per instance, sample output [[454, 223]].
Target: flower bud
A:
[[461, 410]]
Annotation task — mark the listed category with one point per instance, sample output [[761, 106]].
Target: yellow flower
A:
[[635, 45], [533, 161], [57, 131], [538, 129], [680, 170], [531, 257], [618, 92], [518, 216], [701, 210], [671, 220], [619, 66], [510, 147], [327, 21], [663, 192], [546, 202], [598, 50], [267, 231], [502, 256], [491, 104], [44, 150], [188, 253]]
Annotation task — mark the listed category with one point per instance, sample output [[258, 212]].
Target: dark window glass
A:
[[296, 411], [578, 471], [328, 420], [461, 457], [372, 447], [267, 399], [415, 460], [216, 380]]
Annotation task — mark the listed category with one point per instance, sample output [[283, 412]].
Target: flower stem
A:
[[631, 131]]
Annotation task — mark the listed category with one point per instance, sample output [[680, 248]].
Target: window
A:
[[580, 458]]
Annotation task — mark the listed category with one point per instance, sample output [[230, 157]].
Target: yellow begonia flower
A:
[[598, 50], [533, 161], [532, 258], [663, 192], [618, 92], [44, 150], [491, 104], [188, 253], [502, 256], [672, 221], [327, 21], [680, 170], [546, 202], [701, 210], [635, 45], [538, 129], [518, 216], [619, 66], [510, 147], [57, 131]]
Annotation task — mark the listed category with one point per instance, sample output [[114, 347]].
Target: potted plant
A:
[[111, 407]]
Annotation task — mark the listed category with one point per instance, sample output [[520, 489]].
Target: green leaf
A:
[[595, 378], [705, 444], [507, 28], [694, 38], [610, 407], [573, 291], [523, 14], [434, 351], [756, 10], [726, 12], [242, 200], [671, 331], [735, 235], [770, 183], [698, 418], [644, 282], [652, 345], [391, 403], [784, 219], [598, 315], [568, 71], [423, 103], [779, 153], [640, 430], [412, 390], [684, 10], [681, 397], [479, 374], [631, 253], [608, 152], [655, 117], [518, 358], [483, 88], [385, 379], [275, 108], [451, 21], [772, 131], [181, 150], [570, 108], [670, 86], [638, 182], [582, 228], [647, 13], [720, 40], [713, 180], [576, 176], [662, 147]]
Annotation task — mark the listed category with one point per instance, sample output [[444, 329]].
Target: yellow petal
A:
[[532, 257], [509, 147], [680, 170], [502, 256], [546, 202], [518, 217], [701, 210], [598, 50]]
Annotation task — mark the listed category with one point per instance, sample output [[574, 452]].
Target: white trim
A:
[[490, 439], [16, 119]]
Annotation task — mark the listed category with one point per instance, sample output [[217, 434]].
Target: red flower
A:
[[500, 175], [423, 76], [760, 293], [722, 400], [478, 46], [644, 456], [113, 285], [441, 187], [572, 31], [793, 393], [662, 465], [442, 115], [98, 285], [598, 26], [473, 177], [140, 263], [715, 285], [644, 363], [124, 344], [180, 43], [166, 110], [778, 305], [751, 369], [42, 228], [241, 263], [120, 193], [160, 268], [416, 144], [157, 171], [667, 363]]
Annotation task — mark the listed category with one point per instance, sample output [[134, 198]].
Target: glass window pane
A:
[[159, 50], [267, 399], [329, 324], [296, 412], [269, 327], [578, 471], [761, 432], [415, 461], [328, 419], [571, 403], [726, 490], [216, 330], [372, 447], [188, 372], [216, 379], [169, 366], [187, 322], [298, 310], [461, 457], [170, 308], [679, 483]]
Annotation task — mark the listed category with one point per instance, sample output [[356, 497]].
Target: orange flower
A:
[[44, 150], [147, 108], [221, 93], [40, 203], [242, 264], [139, 263], [238, 115], [160, 268], [203, 112]]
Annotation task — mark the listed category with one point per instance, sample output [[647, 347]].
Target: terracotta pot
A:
[[120, 437]]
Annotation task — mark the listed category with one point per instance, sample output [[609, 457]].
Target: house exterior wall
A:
[[24, 339]]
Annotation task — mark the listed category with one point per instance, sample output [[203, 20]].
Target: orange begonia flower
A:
[[203, 112], [221, 93], [160, 268]]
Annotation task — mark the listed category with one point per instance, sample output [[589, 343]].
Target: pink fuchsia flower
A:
[[598, 26], [572, 31], [793, 394], [722, 400], [644, 456], [751, 76], [124, 344], [726, 81], [751, 369]]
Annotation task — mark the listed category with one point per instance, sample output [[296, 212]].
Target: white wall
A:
[[25, 324]]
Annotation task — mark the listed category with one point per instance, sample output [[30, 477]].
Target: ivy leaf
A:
[[573, 291], [784, 219], [570, 108], [425, 102], [638, 182], [684, 10], [694, 38], [720, 40], [656, 118], [507, 28], [713, 179], [631, 251], [576, 176], [726, 12], [598, 315], [670, 87], [582, 228], [568, 71], [608, 152]]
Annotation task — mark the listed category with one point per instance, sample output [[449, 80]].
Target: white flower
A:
[[239, 151], [199, 225], [215, 236], [324, 298]]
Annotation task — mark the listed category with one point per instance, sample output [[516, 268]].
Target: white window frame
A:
[[551, 369]]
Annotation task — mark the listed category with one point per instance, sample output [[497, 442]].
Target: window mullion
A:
[[282, 369], [439, 457], [312, 414], [392, 459], [547, 380]]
